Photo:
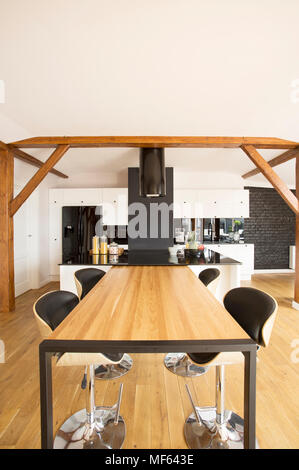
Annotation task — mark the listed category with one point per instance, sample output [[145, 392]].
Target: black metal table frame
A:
[[50, 347]]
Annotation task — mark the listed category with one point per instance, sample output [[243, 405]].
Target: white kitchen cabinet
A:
[[84, 197], [292, 257], [187, 204], [229, 278], [242, 252], [115, 206], [241, 204], [224, 203], [55, 229], [56, 196]]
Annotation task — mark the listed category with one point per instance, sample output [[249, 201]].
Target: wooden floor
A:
[[155, 402]]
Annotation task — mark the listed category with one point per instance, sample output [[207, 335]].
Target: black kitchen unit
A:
[[164, 220]]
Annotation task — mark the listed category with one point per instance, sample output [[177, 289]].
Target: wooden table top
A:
[[155, 303]]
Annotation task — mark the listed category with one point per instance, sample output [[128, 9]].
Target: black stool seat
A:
[[55, 306], [87, 279], [208, 275], [251, 308]]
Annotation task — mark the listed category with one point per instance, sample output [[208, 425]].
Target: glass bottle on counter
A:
[[95, 245], [104, 245]]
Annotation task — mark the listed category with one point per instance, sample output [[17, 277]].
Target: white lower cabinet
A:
[[229, 277], [239, 252]]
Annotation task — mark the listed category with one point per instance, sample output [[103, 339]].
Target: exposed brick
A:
[[271, 227]]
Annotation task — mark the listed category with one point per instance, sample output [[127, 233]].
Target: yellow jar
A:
[[104, 245], [95, 245]]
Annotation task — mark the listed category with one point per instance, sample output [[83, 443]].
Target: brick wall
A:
[[271, 227]]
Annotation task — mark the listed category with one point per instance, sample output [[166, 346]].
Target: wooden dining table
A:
[[148, 309]]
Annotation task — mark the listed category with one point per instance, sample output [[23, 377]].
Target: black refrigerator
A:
[[79, 225]]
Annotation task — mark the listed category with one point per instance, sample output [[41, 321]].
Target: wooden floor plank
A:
[[155, 403]]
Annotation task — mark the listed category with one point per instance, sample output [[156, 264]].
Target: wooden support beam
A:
[[7, 287], [25, 157], [37, 178], [272, 177], [157, 141], [282, 158]]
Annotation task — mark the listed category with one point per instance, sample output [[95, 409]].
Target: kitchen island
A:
[[229, 268], [148, 309]]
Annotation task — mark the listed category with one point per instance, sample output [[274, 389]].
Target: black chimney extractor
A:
[[152, 174]]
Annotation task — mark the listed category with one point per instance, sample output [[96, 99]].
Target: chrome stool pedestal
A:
[[114, 371], [214, 427], [180, 364], [94, 427]]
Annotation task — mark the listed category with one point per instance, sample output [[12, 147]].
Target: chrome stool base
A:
[[211, 435], [103, 433], [180, 364], [114, 371]]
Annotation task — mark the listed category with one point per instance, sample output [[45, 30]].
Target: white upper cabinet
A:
[[85, 197], [225, 203], [241, 203], [115, 206], [186, 204], [76, 197]]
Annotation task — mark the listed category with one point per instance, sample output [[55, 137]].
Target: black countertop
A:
[[151, 258]]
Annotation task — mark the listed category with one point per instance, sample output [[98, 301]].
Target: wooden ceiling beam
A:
[[282, 158], [272, 177], [37, 178], [156, 141]]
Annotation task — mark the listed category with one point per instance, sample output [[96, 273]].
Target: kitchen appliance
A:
[[80, 224], [152, 173]]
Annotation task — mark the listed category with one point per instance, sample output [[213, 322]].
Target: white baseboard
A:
[[273, 271], [295, 305], [48, 279]]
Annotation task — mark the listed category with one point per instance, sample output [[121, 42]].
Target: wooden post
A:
[[296, 293], [7, 287]]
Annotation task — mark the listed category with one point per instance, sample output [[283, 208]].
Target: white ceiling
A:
[[159, 67]]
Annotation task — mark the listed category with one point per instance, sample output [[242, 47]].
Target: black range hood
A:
[[152, 174]]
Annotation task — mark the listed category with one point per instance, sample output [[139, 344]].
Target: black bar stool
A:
[[94, 427], [85, 280], [215, 427], [210, 278], [179, 363]]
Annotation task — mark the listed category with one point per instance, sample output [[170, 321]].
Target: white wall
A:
[[38, 202]]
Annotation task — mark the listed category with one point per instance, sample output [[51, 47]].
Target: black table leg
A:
[[249, 399], [46, 407]]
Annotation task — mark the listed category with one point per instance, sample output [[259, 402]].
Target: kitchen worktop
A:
[[151, 258]]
